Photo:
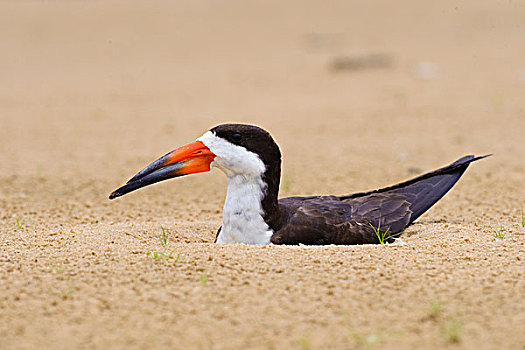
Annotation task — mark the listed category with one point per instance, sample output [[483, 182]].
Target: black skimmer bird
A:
[[253, 214]]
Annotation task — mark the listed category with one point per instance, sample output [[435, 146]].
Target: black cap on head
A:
[[253, 138]]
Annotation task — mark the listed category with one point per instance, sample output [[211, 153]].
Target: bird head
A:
[[236, 149]]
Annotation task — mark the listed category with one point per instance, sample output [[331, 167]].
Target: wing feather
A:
[[328, 220]]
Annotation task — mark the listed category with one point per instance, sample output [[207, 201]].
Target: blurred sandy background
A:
[[358, 94]]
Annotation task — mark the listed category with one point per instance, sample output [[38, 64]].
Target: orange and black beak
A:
[[190, 159]]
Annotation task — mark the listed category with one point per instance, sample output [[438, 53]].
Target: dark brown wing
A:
[[349, 219], [328, 220]]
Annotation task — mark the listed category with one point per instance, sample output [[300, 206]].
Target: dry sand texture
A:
[[358, 94]]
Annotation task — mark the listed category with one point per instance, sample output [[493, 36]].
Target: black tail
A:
[[424, 191]]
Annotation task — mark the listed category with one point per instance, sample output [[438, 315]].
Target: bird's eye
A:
[[236, 137]]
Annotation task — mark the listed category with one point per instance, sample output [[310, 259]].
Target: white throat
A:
[[242, 216]]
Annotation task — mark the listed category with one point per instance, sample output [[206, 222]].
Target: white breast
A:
[[242, 216]]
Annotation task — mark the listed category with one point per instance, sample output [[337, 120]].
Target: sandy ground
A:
[[358, 95]]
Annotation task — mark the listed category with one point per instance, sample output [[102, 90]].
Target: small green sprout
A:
[[383, 237], [160, 256], [55, 269], [498, 233], [361, 340], [164, 255], [164, 237], [522, 217], [39, 173], [452, 331], [67, 292], [435, 309], [366, 341], [304, 343], [19, 224], [203, 278]]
